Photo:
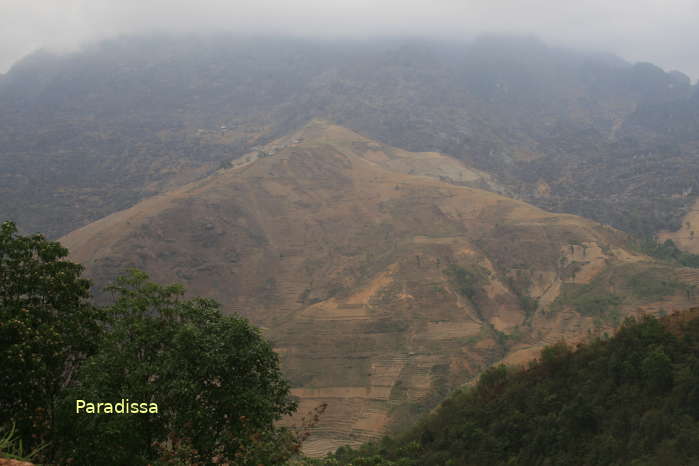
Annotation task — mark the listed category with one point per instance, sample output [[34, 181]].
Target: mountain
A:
[[90, 133], [385, 278], [631, 399]]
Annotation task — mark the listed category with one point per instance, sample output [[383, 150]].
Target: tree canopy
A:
[[629, 400], [214, 380], [47, 327]]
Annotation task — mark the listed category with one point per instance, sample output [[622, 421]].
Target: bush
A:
[[47, 327], [215, 380]]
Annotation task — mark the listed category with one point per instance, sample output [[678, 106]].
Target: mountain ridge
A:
[[84, 135], [381, 289]]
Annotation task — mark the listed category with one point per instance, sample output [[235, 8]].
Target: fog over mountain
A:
[[662, 32], [399, 195], [589, 134]]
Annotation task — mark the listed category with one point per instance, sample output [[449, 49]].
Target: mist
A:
[[661, 32]]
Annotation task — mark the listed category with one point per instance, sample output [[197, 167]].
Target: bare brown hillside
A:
[[382, 278]]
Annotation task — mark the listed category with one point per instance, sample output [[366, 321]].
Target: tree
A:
[[215, 380], [657, 369], [46, 328]]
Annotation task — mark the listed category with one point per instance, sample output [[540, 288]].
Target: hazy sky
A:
[[664, 32]]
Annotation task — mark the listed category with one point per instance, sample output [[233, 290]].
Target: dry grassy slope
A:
[[341, 255]]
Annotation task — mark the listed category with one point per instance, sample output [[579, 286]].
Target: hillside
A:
[[631, 399], [90, 133], [685, 237], [382, 277]]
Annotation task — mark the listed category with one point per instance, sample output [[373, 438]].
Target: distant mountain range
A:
[[90, 133]]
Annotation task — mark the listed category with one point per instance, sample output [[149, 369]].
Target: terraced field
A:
[[382, 282]]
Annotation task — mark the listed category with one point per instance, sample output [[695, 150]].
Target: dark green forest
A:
[[669, 252], [629, 400], [216, 382]]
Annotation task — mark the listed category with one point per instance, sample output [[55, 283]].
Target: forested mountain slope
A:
[[87, 134], [629, 400]]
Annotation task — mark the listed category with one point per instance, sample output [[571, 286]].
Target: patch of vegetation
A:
[[505, 341], [669, 252], [571, 270], [473, 339], [407, 411], [519, 283], [528, 303], [399, 391], [653, 283], [631, 399], [468, 280], [12, 448], [591, 299], [224, 164]]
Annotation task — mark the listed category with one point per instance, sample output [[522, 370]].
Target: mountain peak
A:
[[319, 131], [382, 278], [327, 141]]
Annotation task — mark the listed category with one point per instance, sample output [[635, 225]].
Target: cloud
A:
[[663, 32]]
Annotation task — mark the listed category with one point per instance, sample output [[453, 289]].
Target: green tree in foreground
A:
[[46, 328], [215, 380]]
